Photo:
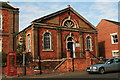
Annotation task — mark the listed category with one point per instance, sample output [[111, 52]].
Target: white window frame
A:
[[115, 51], [20, 41], [50, 49], [113, 39], [1, 20], [90, 43], [0, 44], [29, 43]]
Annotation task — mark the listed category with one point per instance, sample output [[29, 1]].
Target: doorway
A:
[[70, 45]]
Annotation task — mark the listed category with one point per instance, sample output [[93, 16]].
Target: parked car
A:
[[112, 64]]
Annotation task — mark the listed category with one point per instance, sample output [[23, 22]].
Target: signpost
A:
[[24, 63]]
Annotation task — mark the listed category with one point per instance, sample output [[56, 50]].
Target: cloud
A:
[[103, 10], [30, 11]]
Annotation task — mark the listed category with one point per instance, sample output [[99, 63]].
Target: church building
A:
[[50, 37]]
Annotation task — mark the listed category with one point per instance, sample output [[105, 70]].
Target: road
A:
[[75, 75]]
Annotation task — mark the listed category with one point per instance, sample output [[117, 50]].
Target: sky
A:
[[94, 11]]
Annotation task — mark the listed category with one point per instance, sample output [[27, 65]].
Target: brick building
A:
[[9, 26], [108, 38], [50, 37]]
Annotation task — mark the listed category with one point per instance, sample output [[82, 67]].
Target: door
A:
[[111, 65], [70, 46]]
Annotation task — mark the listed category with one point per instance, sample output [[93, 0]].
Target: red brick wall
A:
[[106, 28], [6, 21], [80, 22], [48, 54], [5, 46]]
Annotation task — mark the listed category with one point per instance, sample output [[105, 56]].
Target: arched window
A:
[[20, 40], [0, 44], [47, 41], [28, 43], [69, 23], [0, 21], [89, 43]]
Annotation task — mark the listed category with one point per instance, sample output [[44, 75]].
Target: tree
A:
[[20, 48], [4, 59]]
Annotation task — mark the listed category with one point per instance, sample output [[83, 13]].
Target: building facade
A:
[[51, 36], [108, 38], [9, 26]]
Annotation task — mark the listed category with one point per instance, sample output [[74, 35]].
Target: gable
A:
[[67, 17]]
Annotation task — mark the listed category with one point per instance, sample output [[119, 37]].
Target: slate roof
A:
[[7, 5], [114, 22]]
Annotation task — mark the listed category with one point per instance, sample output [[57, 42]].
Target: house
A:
[[108, 38], [48, 38], [9, 26]]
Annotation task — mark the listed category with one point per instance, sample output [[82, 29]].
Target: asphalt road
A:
[[70, 75]]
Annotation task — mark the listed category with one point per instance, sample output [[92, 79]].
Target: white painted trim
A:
[[1, 22], [91, 42], [28, 50], [0, 44], [50, 41], [73, 20], [112, 37], [115, 51]]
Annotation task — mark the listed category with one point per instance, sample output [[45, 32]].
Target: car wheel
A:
[[101, 70]]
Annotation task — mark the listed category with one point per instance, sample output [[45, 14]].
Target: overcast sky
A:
[[93, 11]]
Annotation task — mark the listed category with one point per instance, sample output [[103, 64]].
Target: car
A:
[[112, 64]]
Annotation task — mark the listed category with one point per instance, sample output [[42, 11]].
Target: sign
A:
[[77, 44], [23, 52]]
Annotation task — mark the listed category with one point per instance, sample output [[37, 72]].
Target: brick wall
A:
[[106, 28]]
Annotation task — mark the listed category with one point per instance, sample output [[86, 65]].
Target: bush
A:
[[4, 59]]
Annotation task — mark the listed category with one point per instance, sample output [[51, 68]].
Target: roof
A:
[[69, 8], [7, 5], [114, 22]]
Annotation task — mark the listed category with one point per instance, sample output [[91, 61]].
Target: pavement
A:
[[50, 75]]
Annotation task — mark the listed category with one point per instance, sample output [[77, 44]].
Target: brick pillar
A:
[[81, 44], [35, 42], [96, 45], [88, 59], [87, 54], [68, 53], [16, 27], [11, 32], [59, 49]]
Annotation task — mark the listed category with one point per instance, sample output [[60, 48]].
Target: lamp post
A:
[[24, 63], [39, 64]]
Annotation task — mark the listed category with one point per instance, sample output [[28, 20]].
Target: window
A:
[[115, 53], [69, 23], [89, 43], [47, 41], [117, 60], [0, 45], [28, 43], [114, 38], [0, 21], [20, 40]]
